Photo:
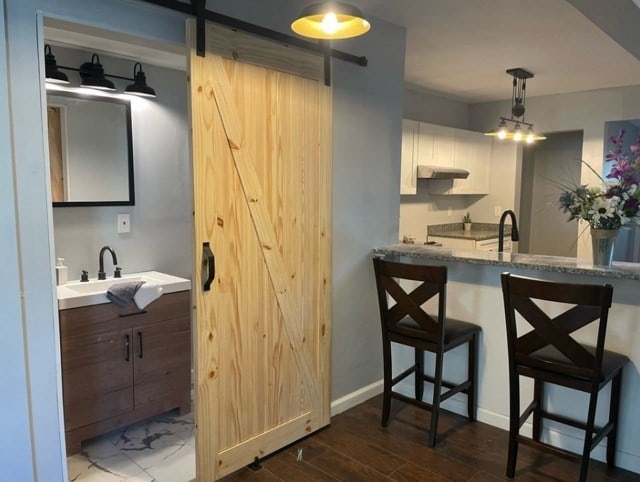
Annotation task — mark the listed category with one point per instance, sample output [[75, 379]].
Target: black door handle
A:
[[210, 260], [126, 344], [140, 344]]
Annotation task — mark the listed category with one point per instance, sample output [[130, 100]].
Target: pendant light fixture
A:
[[517, 132], [330, 20], [52, 73], [92, 74], [139, 86]]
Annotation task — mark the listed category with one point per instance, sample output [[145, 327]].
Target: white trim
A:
[[352, 399]]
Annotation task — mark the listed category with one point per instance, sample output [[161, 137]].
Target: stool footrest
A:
[[403, 375], [548, 448], [527, 412]]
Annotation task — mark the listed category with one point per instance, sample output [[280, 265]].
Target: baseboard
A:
[[458, 404], [352, 399]]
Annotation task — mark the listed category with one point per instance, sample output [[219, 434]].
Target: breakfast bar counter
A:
[[474, 294]]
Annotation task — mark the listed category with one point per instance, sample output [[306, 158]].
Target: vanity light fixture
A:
[[517, 133], [94, 77], [330, 20], [52, 72]]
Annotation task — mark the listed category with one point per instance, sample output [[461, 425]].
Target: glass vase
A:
[[602, 243]]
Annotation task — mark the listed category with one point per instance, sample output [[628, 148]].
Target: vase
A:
[[467, 227], [602, 242]]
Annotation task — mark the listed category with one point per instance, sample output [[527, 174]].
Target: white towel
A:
[[147, 293]]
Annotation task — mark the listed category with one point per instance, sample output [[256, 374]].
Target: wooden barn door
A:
[[261, 120]]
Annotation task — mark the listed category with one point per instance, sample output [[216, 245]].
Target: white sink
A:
[[94, 291]]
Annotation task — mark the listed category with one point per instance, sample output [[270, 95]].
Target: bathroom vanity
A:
[[122, 365]]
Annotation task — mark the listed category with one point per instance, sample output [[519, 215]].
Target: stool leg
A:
[[437, 388], [473, 377], [538, 393], [588, 436], [613, 417], [386, 397], [514, 419], [419, 373]]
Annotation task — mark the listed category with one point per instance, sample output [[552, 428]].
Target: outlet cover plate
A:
[[124, 223]]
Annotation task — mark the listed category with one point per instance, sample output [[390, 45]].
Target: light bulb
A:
[[330, 23], [502, 133], [517, 136], [530, 138]]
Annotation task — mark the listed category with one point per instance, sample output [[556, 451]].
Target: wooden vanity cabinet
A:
[[120, 366]]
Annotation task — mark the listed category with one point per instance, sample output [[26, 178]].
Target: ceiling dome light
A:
[[139, 86], [52, 73], [92, 75], [330, 20]]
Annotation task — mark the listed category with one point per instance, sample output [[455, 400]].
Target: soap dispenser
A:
[[61, 272]]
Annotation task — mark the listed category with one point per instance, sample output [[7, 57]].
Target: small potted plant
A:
[[467, 221]]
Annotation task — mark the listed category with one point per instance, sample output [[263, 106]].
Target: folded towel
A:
[[146, 294], [121, 294]]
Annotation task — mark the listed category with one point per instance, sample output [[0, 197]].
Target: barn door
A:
[[261, 120]]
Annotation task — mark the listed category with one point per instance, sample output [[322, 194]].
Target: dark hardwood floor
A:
[[356, 448]]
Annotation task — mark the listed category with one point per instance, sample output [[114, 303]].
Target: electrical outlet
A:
[[124, 223], [497, 211]]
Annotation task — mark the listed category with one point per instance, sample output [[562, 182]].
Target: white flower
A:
[[602, 209]]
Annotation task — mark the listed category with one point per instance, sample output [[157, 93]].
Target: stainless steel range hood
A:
[[441, 172]]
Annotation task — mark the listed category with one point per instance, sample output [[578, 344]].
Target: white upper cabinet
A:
[[409, 157], [430, 144]]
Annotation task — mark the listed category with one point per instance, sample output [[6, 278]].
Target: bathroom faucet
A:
[[514, 228], [101, 274]]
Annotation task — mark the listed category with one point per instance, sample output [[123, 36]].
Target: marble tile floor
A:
[[160, 449]]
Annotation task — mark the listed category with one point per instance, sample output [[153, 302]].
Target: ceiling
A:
[[461, 48]]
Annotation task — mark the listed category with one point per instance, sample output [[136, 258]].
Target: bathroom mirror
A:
[[90, 150]]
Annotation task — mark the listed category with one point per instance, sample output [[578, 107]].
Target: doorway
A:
[[546, 167]]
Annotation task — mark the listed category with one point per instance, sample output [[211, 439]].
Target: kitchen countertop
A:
[[479, 231], [416, 252]]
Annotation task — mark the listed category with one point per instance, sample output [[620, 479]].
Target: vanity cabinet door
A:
[[97, 377], [162, 364]]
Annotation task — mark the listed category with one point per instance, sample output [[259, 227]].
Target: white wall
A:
[[367, 134], [586, 111], [15, 440], [161, 220]]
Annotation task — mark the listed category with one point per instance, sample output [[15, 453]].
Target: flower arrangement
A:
[[616, 203]]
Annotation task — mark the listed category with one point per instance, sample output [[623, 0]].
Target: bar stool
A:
[[549, 354], [407, 323]]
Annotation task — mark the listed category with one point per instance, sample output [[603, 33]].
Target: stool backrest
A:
[[433, 282], [592, 303]]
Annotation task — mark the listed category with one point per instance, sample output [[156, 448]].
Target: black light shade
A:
[[139, 86], [92, 75], [52, 73]]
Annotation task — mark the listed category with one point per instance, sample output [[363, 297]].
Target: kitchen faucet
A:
[[514, 228], [101, 274]]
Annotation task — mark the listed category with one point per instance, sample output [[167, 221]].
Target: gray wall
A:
[[367, 135], [426, 106], [15, 441], [161, 220]]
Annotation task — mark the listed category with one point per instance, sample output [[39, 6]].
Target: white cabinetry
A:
[[471, 244], [430, 144]]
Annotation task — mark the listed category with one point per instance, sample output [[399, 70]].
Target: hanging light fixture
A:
[[139, 86], [52, 73], [518, 95], [330, 20]]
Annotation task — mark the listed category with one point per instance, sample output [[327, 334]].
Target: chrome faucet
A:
[[101, 274], [514, 229]]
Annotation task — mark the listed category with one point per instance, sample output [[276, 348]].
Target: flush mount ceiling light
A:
[[330, 20], [94, 77], [517, 132]]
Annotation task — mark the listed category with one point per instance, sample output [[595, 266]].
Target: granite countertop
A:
[[479, 231], [527, 261]]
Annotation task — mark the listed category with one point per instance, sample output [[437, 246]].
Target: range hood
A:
[[441, 172]]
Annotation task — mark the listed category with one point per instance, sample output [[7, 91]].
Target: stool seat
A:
[[555, 361], [455, 331], [407, 322]]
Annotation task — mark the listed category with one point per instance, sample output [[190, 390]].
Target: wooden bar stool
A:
[[407, 323], [549, 354]]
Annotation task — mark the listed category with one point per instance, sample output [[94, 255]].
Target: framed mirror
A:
[[90, 150]]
